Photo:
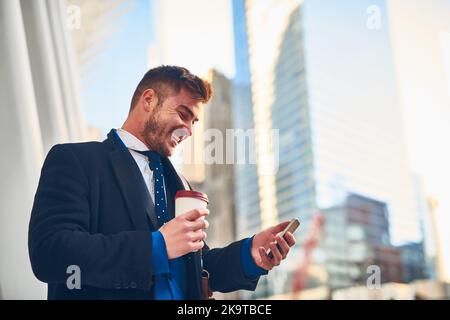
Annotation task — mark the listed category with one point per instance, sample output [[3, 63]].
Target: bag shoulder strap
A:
[[186, 183]]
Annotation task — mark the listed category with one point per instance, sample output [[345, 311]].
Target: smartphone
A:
[[291, 227]]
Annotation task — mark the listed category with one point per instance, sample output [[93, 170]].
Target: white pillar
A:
[[45, 74], [67, 70], [20, 140]]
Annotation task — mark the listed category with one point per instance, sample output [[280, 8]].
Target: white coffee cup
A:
[[187, 200]]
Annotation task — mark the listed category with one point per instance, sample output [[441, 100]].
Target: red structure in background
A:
[[300, 277]]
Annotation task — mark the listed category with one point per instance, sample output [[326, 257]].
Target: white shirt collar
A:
[[130, 141]]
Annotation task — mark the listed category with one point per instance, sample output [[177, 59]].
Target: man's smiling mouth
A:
[[179, 135], [175, 140]]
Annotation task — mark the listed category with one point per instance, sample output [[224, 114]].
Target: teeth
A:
[[179, 135]]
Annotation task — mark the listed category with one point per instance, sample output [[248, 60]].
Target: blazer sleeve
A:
[[225, 268], [59, 236]]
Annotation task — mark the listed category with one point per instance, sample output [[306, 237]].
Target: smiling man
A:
[[107, 209]]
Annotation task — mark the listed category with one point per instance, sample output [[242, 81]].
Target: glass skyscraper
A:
[[328, 86], [246, 176]]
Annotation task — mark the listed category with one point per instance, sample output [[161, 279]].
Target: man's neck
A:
[[135, 131]]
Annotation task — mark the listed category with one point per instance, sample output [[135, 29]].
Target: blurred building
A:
[[417, 290], [438, 260], [427, 229], [339, 119], [248, 212], [204, 165], [355, 240], [218, 181], [356, 236], [354, 245], [247, 187], [40, 107], [413, 261], [420, 41]]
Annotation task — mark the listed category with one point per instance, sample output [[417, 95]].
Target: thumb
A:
[[279, 227], [195, 214]]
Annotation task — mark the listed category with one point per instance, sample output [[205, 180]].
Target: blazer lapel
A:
[[132, 186], [138, 202]]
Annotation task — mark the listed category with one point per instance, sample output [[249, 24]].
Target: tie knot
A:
[[153, 157]]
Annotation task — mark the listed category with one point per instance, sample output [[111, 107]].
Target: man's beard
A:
[[154, 134]]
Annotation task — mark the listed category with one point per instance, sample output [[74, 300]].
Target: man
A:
[[107, 210]]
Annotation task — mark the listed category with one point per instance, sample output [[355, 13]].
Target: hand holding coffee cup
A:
[[185, 233], [187, 200]]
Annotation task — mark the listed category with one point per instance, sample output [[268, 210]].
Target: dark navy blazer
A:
[[91, 210]]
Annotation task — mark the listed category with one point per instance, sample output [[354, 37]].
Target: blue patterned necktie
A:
[[167, 287], [158, 184]]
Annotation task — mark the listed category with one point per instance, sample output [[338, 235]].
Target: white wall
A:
[[31, 100]]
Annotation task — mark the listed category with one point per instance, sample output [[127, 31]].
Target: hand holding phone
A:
[[291, 227]]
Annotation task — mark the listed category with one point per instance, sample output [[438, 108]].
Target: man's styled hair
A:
[[167, 80]]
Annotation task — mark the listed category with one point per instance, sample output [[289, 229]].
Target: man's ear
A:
[[149, 99]]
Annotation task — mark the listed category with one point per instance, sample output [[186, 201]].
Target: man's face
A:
[[178, 111]]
